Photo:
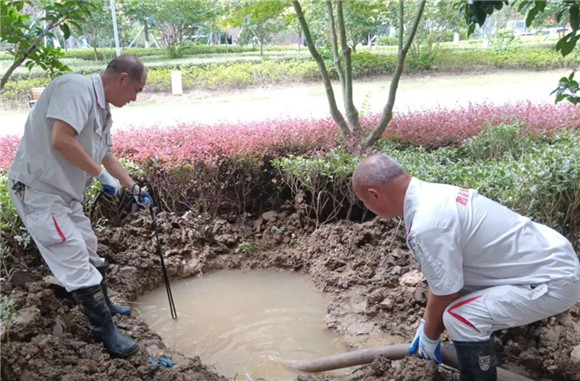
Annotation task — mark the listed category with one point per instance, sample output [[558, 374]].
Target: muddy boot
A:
[[477, 360], [115, 309], [101, 324]]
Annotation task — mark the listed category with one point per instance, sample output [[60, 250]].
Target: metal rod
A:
[[115, 29], [165, 277]]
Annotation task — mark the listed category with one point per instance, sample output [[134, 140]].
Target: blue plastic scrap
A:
[[163, 361]]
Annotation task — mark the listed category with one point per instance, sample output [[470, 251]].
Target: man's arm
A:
[[64, 141], [433, 316], [116, 169]]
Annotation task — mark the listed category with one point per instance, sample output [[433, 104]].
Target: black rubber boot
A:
[[101, 324], [115, 309], [477, 360]]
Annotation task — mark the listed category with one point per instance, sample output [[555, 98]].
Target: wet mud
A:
[[377, 298]]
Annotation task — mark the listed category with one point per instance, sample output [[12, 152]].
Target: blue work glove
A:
[[428, 349], [142, 197], [110, 184]]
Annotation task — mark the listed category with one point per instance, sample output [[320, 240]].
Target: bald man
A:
[[66, 143], [488, 268]]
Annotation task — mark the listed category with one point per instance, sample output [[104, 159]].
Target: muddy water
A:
[[244, 323]]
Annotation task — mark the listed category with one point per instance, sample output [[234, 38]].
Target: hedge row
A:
[[232, 72], [528, 163], [537, 176]]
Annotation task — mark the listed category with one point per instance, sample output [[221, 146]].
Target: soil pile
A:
[[377, 298]]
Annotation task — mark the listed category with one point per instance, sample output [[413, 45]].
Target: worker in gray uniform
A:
[[66, 144], [487, 267]]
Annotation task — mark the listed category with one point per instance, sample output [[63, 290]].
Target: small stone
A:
[[419, 295], [258, 224], [60, 327], [26, 316], [270, 216], [575, 355], [565, 318], [388, 304], [412, 278], [549, 337], [52, 281]]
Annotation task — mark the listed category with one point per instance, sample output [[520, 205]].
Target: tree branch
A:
[[351, 111], [388, 110], [333, 40], [336, 115], [49, 27], [401, 25]]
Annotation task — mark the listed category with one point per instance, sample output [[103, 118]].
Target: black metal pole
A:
[[166, 278]]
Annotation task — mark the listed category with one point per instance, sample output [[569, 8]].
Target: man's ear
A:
[[123, 78], [373, 193]]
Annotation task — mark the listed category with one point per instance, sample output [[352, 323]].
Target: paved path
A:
[[309, 100]]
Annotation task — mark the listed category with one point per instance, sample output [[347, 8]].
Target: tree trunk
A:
[[350, 108], [94, 41], [378, 131], [334, 111]]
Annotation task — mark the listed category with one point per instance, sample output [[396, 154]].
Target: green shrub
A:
[[535, 176], [245, 68], [323, 183], [9, 220], [17, 91], [7, 309], [498, 141], [387, 41]]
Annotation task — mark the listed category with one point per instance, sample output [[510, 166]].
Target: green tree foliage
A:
[[143, 12], [363, 18], [439, 19], [261, 18], [26, 33], [96, 26], [180, 20], [476, 12]]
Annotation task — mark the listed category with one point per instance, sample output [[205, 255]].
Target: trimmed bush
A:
[[522, 163], [541, 181], [228, 71]]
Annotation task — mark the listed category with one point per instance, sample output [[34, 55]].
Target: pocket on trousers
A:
[[505, 304], [49, 228]]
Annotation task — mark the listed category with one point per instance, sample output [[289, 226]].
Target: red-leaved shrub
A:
[[192, 143]]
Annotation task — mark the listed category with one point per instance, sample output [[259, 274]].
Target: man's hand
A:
[[110, 184], [142, 196], [428, 349]]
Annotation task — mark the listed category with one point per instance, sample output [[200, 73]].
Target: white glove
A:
[[111, 185], [429, 349], [142, 196]]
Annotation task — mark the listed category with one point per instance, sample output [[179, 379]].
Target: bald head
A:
[[127, 64], [381, 183], [375, 171]]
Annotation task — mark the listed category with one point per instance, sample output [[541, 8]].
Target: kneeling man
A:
[[488, 268]]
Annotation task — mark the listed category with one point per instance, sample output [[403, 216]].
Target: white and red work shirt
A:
[[80, 102], [465, 240]]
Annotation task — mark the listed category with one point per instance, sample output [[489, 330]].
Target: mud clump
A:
[[377, 298]]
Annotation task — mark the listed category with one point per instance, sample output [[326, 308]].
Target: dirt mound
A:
[[377, 298]]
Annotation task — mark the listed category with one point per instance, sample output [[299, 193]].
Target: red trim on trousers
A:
[[459, 317], [58, 230]]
